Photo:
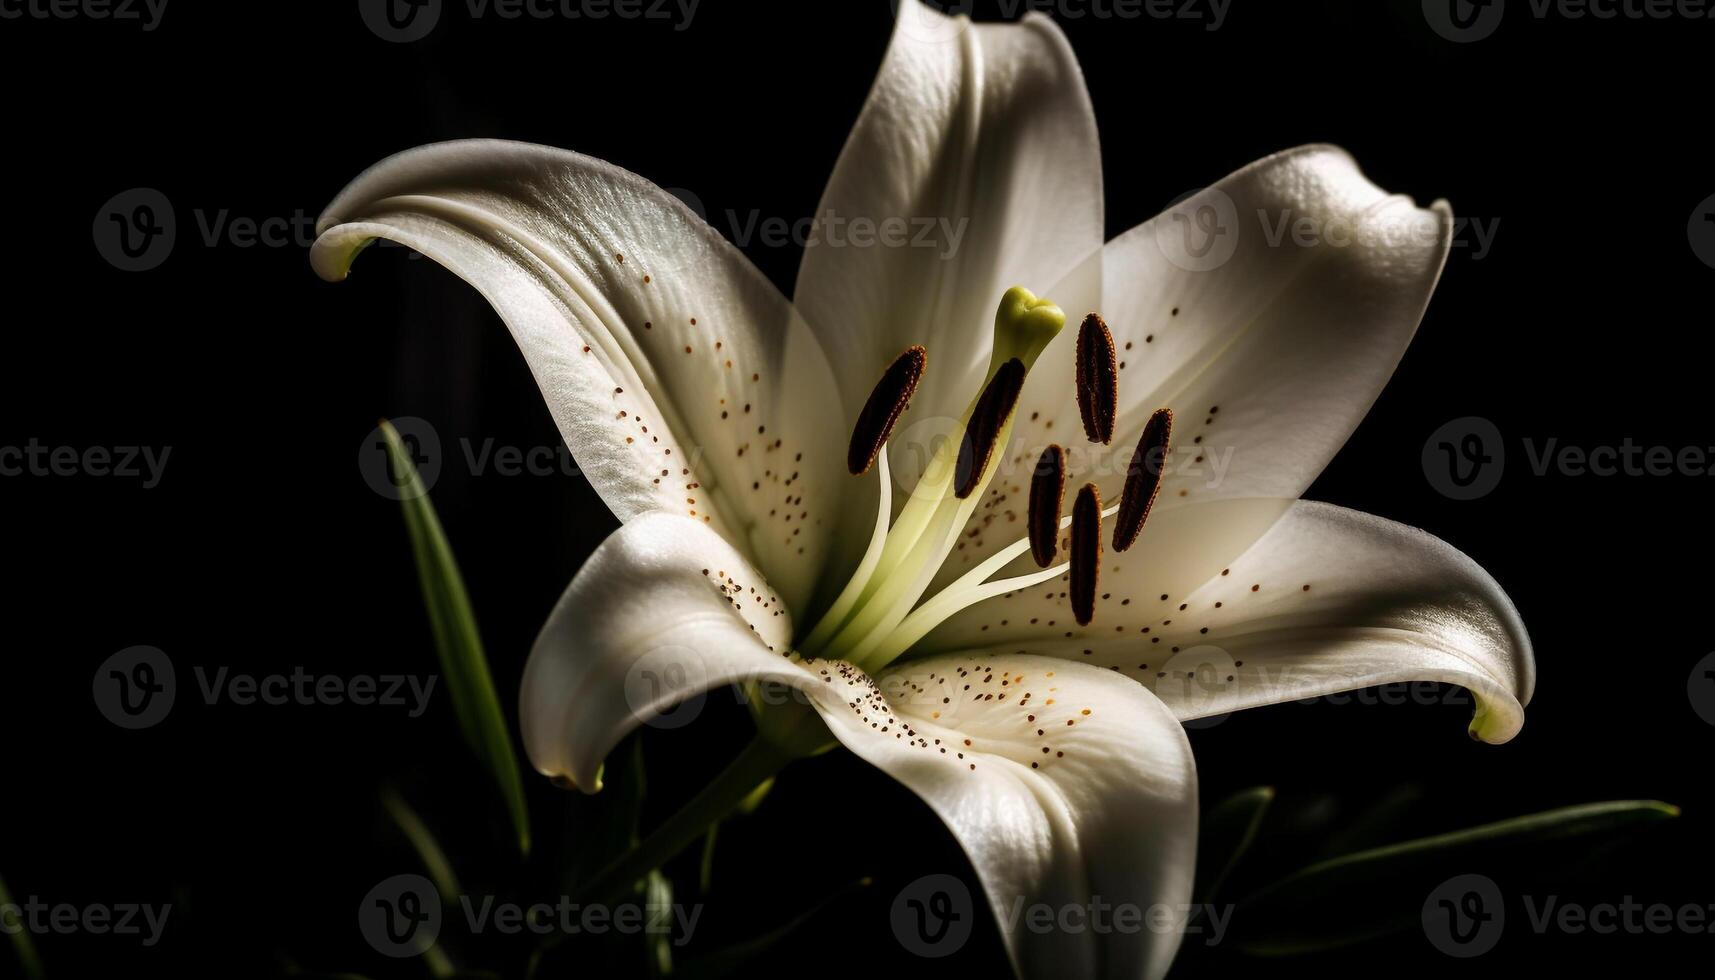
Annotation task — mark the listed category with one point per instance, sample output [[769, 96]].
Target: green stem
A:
[[755, 765]]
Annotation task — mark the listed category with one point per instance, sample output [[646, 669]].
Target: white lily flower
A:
[[715, 417]]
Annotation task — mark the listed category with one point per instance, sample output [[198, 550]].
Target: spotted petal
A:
[[1267, 311], [1328, 600], [979, 141], [679, 376], [1065, 784]]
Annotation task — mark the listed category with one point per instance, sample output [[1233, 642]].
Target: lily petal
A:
[[1329, 600], [1270, 346], [663, 611], [1271, 356], [1064, 783], [679, 376], [979, 141]]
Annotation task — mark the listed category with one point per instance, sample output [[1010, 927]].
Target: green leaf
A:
[[457, 642], [658, 922], [1313, 909], [706, 868], [423, 841], [1226, 834], [22, 944]]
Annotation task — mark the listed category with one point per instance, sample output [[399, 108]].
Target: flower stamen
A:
[[1098, 379], [988, 417], [1143, 478], [889, 399], [1086, 552], [1047, 495]]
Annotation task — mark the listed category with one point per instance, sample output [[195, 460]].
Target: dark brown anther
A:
[[992, 410], [886, 402], [1143, 478], [1098, 379], [1086, 552], [1047, 494]]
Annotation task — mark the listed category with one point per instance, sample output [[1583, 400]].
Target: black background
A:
[[263, 549]]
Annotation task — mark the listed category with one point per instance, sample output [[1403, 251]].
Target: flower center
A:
[[881, 611]]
